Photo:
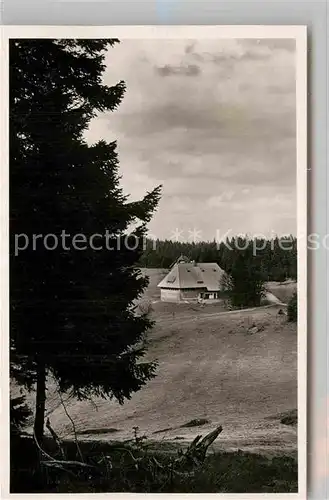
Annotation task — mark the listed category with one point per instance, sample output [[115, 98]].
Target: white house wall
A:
[[190, 294], [170, 295]]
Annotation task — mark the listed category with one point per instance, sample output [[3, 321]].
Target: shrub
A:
[[290, 418], [293, 308]]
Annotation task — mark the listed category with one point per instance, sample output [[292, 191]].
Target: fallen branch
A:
[[197, 450], [53, 462], [59, 463]]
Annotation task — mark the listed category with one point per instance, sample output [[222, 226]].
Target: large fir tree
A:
[[71, 309]]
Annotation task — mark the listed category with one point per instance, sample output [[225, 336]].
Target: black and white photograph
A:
[[157, 324]]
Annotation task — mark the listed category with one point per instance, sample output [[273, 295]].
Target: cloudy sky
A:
[[214, 122]]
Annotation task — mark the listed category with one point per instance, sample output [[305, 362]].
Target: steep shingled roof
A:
[[189, 275]]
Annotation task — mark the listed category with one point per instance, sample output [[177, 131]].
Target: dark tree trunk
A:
[[40, 403]]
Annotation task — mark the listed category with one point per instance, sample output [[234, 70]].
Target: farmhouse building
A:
[[190, 281]]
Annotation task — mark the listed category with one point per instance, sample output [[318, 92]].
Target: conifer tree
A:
[[72, 310], [246, 283]]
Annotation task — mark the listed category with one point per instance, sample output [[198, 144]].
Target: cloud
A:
[[169, 70], [207, 117], [284, 44], [220, 200]]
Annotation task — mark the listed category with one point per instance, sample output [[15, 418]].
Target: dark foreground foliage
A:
[[237, 472]]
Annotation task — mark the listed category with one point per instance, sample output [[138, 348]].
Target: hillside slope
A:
[[210, 367]]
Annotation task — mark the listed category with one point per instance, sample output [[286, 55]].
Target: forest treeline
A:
[[275, 259]]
